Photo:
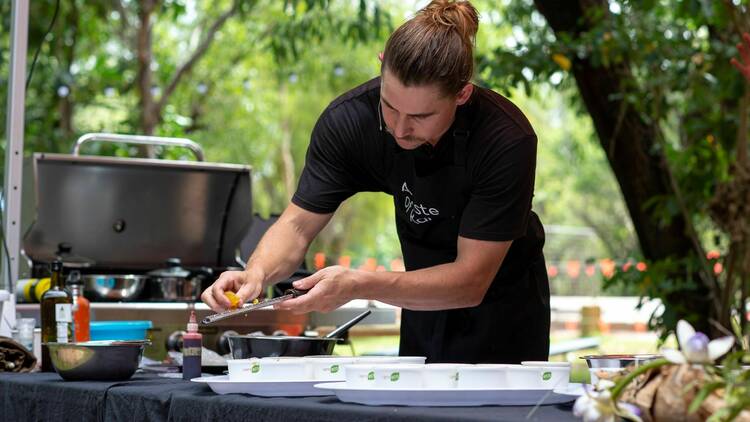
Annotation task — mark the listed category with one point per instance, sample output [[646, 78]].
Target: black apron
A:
[[430, 190]]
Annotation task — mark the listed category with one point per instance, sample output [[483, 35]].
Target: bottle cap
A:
[[192, 326], [74, 278], [56, 265]]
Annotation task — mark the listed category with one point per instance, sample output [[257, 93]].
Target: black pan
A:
[[246, 346]]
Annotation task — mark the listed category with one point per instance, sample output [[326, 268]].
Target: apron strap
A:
[[460, 139]]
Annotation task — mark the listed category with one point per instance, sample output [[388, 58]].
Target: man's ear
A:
[[380, 57], [464, 94]]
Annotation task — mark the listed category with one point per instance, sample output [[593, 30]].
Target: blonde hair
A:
[[435, 47]]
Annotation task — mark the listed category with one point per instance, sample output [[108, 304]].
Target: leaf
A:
[[703, 393]]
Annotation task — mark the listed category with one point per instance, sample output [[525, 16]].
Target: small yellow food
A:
[[234, 300], [255, 301]]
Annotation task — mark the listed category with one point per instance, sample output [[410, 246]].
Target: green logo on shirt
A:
[[255, 368], [370, 376], [546, 376], [394, 376], [334, 369]]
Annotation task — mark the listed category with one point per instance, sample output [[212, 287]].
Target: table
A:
[[46, 397]]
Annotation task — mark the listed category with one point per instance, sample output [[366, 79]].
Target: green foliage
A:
[[273, 67], [673, 59], [663, 279]]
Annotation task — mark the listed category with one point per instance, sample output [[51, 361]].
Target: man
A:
[[459, 162]]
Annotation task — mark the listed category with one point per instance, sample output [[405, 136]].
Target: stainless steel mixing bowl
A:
[[618, 361], [114, 286], [97, 360]]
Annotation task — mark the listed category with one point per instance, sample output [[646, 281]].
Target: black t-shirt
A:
[[476, 182]]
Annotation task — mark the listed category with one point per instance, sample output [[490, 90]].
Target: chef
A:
[[459, 162]]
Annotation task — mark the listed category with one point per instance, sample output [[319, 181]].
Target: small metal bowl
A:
[[114, 286], [97, 360], [618, 361]]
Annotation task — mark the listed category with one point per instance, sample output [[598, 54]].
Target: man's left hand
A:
[[329, 288]]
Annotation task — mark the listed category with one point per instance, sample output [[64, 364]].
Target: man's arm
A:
[[459, 284], [282, 248], [279, 252]]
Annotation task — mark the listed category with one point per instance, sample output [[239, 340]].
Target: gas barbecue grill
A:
[[129, 216]]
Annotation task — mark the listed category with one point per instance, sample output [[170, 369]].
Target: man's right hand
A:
[[244, 283]]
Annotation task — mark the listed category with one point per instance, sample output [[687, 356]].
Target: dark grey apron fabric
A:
[[512, 322]]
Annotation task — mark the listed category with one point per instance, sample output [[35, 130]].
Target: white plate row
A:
[[407, 372], [400, 397]]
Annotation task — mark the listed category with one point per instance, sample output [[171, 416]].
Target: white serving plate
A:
[[222, 385], [451, 396]]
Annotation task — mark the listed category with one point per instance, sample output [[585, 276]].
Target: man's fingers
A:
[[298, 305], [209, 300], [247, 292], [217, 290], [308, 282]]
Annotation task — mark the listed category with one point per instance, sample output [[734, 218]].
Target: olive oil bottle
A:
[[57, 318]]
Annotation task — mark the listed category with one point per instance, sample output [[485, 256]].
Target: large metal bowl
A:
[[96, 360], [248, 346], [114, 286]]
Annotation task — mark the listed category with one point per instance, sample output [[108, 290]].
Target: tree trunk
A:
[[148, 118], [631, 146], [66, 105]]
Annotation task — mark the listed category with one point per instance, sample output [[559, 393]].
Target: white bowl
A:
[[482, 376], [375, 359], [239, 369], [545, 363], [269, 369], [522, 377], [554, 374], [555, 377], [399, 376], [420, 360], [360, 375], [328, 368], [441, 375]]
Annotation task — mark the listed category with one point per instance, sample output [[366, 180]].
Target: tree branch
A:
[[197, 54], [125, 25]]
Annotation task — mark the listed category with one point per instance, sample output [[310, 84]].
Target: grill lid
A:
[[137, 213]]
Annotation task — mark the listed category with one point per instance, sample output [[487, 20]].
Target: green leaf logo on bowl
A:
[[394, 376], [334, 369], [546, 376], [255, 368], [370, 376]]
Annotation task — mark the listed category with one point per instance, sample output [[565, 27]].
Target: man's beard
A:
[[409, 139]]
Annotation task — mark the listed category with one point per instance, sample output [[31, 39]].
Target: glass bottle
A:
[[56, 311], [81, 308]]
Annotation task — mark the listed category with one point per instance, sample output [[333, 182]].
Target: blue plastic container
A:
[[119, 330]]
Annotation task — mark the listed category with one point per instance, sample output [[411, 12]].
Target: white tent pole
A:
[[14, 156]]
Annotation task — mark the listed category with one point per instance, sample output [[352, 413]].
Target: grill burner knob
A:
[[174, 341], [119, 225], [222, 344]]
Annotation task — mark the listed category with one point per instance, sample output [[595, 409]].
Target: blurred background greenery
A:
[[247, 79]]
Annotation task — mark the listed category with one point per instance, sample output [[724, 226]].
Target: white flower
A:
[[695, 346], [598, 406]]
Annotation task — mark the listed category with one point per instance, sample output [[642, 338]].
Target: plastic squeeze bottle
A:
[[192, 342]]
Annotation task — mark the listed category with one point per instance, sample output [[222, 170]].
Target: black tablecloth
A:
[[41, 397]]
